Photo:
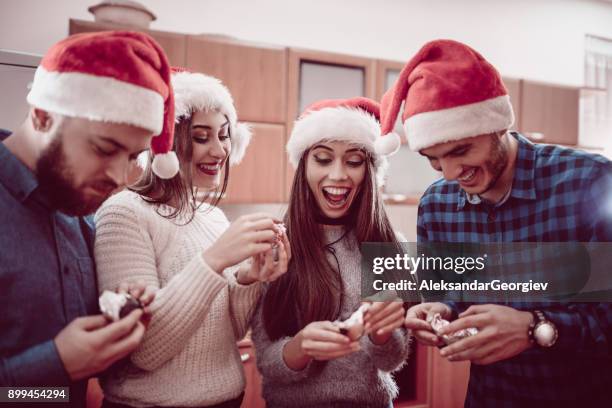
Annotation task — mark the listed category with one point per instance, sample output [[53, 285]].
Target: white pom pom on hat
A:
[[165, 165]]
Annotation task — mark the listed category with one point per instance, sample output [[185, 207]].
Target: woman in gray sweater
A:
[[304, 357]]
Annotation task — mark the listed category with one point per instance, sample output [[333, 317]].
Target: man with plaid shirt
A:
[[499, 187]]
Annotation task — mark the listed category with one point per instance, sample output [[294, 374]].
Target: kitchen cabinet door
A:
[[255, 74], [260, 177], [549, 113]]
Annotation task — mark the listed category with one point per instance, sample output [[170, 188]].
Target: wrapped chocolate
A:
[[281, 230], [437, 322], [354, 327], [115, 306]]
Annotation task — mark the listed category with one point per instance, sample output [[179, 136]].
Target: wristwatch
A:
[[542, 332]]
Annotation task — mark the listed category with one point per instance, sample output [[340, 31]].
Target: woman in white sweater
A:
[[305, 359], [160, 233]]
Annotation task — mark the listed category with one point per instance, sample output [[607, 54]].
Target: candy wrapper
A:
[[353, 327], [437, 323], [282, 230], [115, 306]]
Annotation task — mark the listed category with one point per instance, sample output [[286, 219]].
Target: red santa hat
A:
[[195, 91], [450, 92], [113, 76], [353, 120]]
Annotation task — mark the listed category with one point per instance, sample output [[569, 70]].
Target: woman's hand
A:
[[264, 267], [323, 341], [382, 318], [139, 290], [249, 235], [319, 341]]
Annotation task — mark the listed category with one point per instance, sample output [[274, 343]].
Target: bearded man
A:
[[95, 104]]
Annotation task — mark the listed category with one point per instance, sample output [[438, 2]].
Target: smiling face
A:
[[335, 173], [476, 163], [211, 147]]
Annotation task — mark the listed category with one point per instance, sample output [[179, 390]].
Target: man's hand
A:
[[502, 334], [416, 321], [91, 344]]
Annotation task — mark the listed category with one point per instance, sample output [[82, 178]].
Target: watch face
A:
[[545, 334]]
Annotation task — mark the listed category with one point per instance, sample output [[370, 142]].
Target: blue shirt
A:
[[557, 195], [47, 279]]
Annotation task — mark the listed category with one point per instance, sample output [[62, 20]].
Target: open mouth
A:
[[336, 197], [467, 177], [211, 169]]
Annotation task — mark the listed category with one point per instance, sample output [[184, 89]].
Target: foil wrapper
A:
[[354, 327], [115, 306], [281, 230], [437, 322]]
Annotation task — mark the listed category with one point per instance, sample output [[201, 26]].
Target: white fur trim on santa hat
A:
[[332, 124], [428, 129], [165, 165], [99, 98], [194, 92], [339, 124], [240, 141]]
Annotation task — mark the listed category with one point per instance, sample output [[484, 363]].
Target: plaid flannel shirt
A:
[[558, 195]]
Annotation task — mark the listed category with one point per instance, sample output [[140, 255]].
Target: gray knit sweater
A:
[[361, 379]]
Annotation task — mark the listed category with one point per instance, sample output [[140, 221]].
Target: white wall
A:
[[535, 39]]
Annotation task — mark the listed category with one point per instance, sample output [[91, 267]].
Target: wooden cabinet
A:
[[549, 113], [256, 75], [438, 383], [449, 382], [259, 178], [252, 393], [514, 87], [414, 379], [173, 44], [387, 73], [317, 75]]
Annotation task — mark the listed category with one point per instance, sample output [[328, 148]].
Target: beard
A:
[[56, 182], [499, 158]]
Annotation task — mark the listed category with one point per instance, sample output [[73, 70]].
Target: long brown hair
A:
[[311, 290], [178, 190]]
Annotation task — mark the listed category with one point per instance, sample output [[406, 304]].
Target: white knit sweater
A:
[[188, 356]]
